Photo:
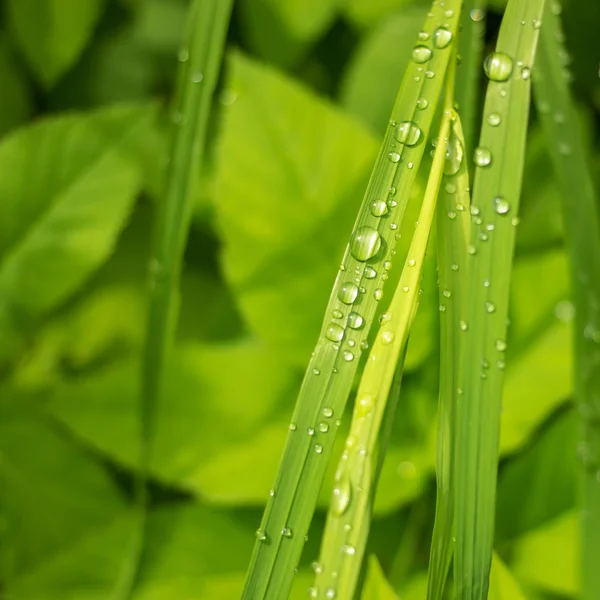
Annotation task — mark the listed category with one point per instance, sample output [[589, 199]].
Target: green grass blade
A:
[[200, 64], [470, 48], [349, 316], [582, 226], [349, 514], [499, 164], [453, 228]]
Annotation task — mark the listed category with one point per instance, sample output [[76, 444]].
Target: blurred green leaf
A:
[[53, 494], [368, 13], [503, 585], [280, 32], [67, 186], [548, 558], [53, 33], [15, 100], [209, 438], [285, 207], [371, 81], [548, 471], [376, 586]]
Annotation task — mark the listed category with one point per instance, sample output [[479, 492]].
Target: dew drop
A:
[[525, 72], [365, 243], [261, 535], [422, 103], [348, 292], [501, 205], [337, 314], [348, 356], [378, 294], [287, 532], [355, 320], [490, 307], [421, 54], [463, 326], [370, 272], [323, 427], [494, 119], [328, 412], [335, 332], [442, 37], [379, 208], [292, 427], [316, 372], [408, 133], [482, 157], [183, 55], [477, 15], [313, 592], [342, 494], [454, 154], [394, 157], [498, 66], [330, 594], [500, 345], [318, 448], [387, 337]]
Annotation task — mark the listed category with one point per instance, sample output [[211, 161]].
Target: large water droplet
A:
[[355, 321], [365, 243], [482, 157], [421, 54], [342, 494], [454, 154], [335, 332], [408, 133], [498, 66], [348, 292], [379, 208], [422, 103], [501, 205], [442, 37]]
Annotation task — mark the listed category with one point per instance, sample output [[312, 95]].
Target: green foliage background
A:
[[306, 93]]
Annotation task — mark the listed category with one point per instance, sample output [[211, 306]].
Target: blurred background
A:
[[305, 95]]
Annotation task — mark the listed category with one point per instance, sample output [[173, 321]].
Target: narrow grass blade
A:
[[453, 228], [350, 312], [200, 63], [349, 514], [582, 226], [470, 48], [499, 161]]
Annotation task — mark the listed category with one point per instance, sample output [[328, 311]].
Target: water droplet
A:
[[330, 594], [464, 326], [387, 337], [287, 532], [525, 72], [261, 535], [355, 321], [482, 157], [365, 243], [454, 154], [318, 448], [422, 103], [454, 267], [494, 119], [429, 74], [423, 36], [342, 494], [348, 356], [323, 427], [490, 307], [313, 592], [442, 37], [500, 345], [471, 249], [337, 314], [408, 133], [450, 188], [311, 431], [421, 54], [348, 292], [565, 311], [272, 493], [379, 208], [292, 427], [412, 262], [449, 13], [498, 66], [477, 15], [378, 294], [316, 372], [183, 55], [501, 205], [335, 332], [447, 293], [394, 157], [349, 550]]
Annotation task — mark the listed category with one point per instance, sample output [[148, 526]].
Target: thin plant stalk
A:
[[582, 228], [348, 520], [499, 163], [200, 61], [349, 315]]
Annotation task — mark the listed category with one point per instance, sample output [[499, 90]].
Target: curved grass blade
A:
[[349, 514], [200, 64], [582, 225], [470, 48], [453, 228], [350, 312], [499, 161]]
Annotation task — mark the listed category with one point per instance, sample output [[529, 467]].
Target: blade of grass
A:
[[200, 63], [470, 48], [453, 228], [348, 520], [349, 315], [499, 164], [582, 226]]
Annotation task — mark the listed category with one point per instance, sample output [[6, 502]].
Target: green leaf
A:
[[549, 557], [53, 33], [290, 201], [53, 495], [376, 586], [208, 447], [15, 100], [367, 13], [281, 31], [178, 562], [67, 186], [503, 585], [370, 85]]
